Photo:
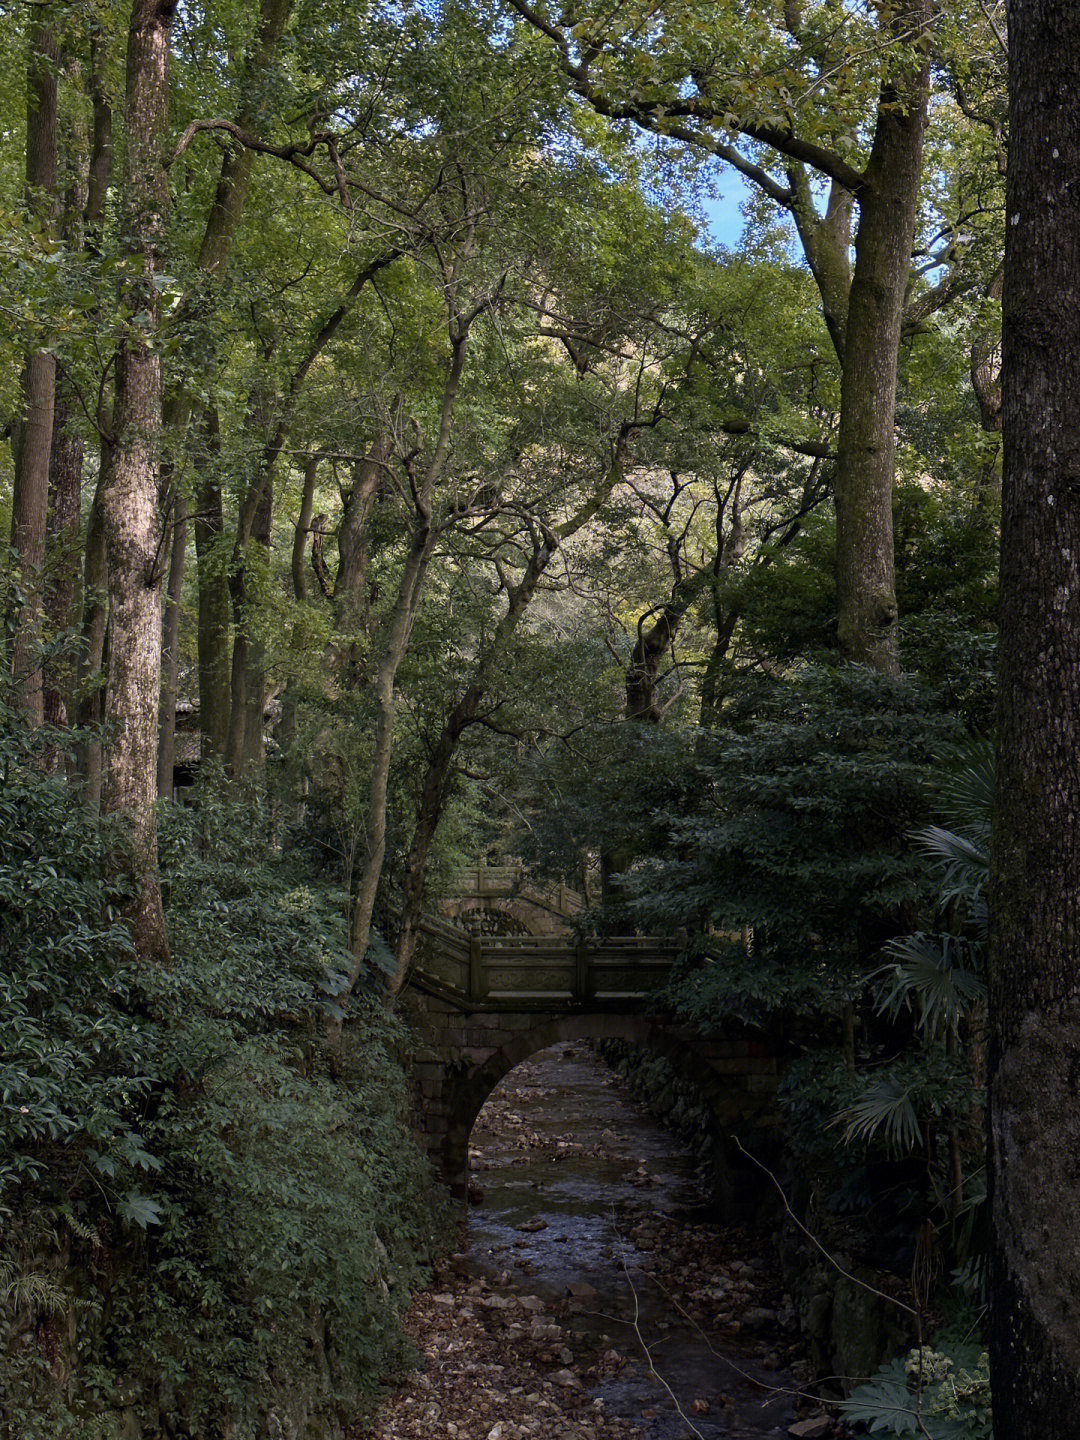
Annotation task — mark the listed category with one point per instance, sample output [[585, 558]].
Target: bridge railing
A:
[[489, 882], [539, 971]]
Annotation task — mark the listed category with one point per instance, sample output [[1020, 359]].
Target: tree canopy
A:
[[397, 450]]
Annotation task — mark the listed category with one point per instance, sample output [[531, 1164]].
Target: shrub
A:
[[211, 1214]]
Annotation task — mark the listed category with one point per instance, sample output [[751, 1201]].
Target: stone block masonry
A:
[[462, 1054]]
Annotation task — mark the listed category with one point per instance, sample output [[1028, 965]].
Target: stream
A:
[[594, 1296]]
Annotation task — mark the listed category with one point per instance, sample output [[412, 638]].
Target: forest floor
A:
[[511, 1352]]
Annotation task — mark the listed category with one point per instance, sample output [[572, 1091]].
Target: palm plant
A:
[[937, 978]]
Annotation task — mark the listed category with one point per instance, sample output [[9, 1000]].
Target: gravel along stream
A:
[[594, 1299]]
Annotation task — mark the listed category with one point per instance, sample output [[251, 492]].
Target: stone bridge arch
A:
[[504, 900], [462, 1056]]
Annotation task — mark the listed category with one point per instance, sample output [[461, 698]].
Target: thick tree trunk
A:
[[133, 528], [433, 792], [1035, 895], [170, 651], [99, 175], [90, 704], [30, 500], [865, 569], [61, 599]]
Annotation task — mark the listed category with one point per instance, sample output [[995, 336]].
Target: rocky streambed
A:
[[592, 1298]]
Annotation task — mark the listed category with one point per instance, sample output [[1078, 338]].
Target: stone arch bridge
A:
[[480, 1004]]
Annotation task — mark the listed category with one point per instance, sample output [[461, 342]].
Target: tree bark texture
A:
[[214, 604], [130, 502], [30, 500], [865, 568], [1035, 895], [90, 693], [170, 651], [64, 559]]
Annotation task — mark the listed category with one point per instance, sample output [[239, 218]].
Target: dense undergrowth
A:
[[828, 918], [210, 1213]]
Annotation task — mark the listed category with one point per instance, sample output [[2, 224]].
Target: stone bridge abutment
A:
[[481, 999], [461, 1055]]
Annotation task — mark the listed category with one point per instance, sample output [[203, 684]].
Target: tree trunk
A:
[[133, 530], [402, 619], [213, 595], [653, 644], [1035, 892], [30, 500], [245, 752], [350, 585], [397, 643], [215, 249], [90, 704], [61, 598], [234, 178], [712, 684], [865, 569], [170, 651], [99, 174], [63, 558], [302, 528], [301, 531], [826, 242], [440, 766], [29, 521]]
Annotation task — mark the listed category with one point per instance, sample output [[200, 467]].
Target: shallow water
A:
[[601, 1167]]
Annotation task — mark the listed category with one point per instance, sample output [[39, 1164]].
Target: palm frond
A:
[[937, 975], [964, 860], [887, 1107], [968, 794]]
